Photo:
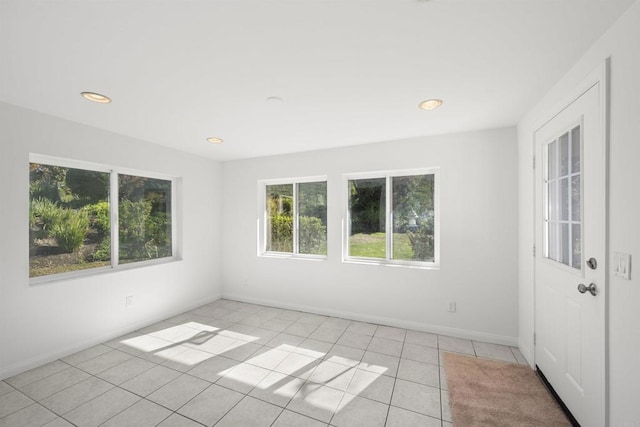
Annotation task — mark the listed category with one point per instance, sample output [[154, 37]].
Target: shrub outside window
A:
[[69, 220], [72, 211], [392, 218], [279, 216], [144, 212], [295, 217]]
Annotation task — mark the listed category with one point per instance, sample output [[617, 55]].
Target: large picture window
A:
[[392, 218], [72, 214], [295, 218]]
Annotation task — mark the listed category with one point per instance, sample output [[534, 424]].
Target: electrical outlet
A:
[[128, 301], [622, 265], [452, 306]]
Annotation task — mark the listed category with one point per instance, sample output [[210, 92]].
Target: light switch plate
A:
[[622, 265]]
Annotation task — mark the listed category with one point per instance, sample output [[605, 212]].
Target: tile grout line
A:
[[349, 383], [314, 368], [114, 386], [230, 409], [245, 395], [395, 379], [440, 384], [264, 319]]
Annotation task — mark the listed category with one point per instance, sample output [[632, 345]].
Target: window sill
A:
[[40, 280], [396, 264], [283, 255]]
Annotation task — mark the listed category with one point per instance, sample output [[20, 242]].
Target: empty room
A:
[[319, 213]]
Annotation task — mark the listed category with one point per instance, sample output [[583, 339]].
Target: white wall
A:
[[43, 322], [478, 202], [622, 44]]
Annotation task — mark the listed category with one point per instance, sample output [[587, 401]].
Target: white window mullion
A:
[[113, 207], [346, 249], [389, 219], [570, 174], [558, 200], [262, 209], [547, 216], [569, 204], [295, 218], [174, 217]]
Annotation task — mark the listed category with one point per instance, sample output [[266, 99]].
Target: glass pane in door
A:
[[564, 199]]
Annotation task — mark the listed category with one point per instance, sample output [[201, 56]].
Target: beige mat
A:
[[489, 393]]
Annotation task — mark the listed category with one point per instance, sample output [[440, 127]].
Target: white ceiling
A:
[[349, 71]]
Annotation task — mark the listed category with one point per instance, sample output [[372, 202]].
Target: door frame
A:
[[601, 77]]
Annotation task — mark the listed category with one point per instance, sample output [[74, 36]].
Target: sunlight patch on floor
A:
[[290, 371]]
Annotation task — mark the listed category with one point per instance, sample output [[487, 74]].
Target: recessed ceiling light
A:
[[430, 104], [214, 140], [96, 97]]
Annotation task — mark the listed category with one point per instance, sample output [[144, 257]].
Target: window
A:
[[144, 212], [391, 218], [563, 200], [72, 211], [295, 217]]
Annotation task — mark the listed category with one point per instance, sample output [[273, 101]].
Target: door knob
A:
[[591, 288]]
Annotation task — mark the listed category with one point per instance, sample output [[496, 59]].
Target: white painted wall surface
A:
[[622, 44], [478, 229], [43, 322]]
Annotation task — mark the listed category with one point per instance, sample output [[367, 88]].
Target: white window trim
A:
[[113, 201], [388, 174], [577, 271], [262, 217]]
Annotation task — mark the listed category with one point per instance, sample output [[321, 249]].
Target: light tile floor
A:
[[236, 364]]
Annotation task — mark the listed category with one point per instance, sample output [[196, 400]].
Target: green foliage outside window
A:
[[409, 229], [70, 219], [71, 229], [100, 214], [312, 218], [103, 250], [133, 217], [312, 235], [413, 214], [62, 230], [144, 218], [281, 233], [422, 243], [311, 199]]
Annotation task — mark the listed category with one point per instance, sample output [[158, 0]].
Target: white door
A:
[[570, 311]]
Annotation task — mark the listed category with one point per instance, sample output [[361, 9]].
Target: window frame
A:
[[546, 256], [389, 175], [113, 217], [262, 215]]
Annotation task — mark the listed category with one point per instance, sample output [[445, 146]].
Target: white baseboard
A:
[[528, 354], [398, 323], [25, 365]]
